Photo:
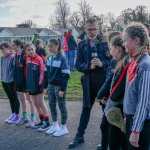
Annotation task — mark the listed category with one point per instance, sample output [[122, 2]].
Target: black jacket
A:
[[35, 73], [83, 63], [57, 72], [42, 53], [118, 93], [72, 45], [105, 89], [19, 68]]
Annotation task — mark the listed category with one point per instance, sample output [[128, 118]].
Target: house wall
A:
[[7, 36], [75, 34], [45, 39]]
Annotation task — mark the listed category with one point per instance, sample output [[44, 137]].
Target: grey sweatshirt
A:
[[137, 94], [6, 68]]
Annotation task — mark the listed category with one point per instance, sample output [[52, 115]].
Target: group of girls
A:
[[127, 88], [27, 75], [126, 92]]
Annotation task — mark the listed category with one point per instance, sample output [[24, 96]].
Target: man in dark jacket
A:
[[72, 47], [93, 62]]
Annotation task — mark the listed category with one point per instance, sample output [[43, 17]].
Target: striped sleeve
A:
[[142, 108], [41, 70], [65, 74]]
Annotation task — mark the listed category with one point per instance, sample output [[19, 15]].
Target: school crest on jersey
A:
[[34, 67], [21, 65]]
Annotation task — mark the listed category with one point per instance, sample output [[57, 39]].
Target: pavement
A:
[[17, 137]]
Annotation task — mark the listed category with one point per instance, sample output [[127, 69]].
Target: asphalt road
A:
[[14, 137]]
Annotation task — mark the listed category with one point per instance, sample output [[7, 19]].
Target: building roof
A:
[[26, 31], [61, 30], [1, 29], [49, 31]]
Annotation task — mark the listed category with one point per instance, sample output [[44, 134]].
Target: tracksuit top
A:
[[6, 68], [65, 44], [42, 53], [35, 73], [57, 71], [19, 68], [137, 92]]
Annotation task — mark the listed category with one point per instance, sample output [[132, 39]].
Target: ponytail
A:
[[57, 42]]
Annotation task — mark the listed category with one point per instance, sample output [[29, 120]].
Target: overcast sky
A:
[[13, 12]]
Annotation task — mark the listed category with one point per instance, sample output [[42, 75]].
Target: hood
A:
[[68, 35]]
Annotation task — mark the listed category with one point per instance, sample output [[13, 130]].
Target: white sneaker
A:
[[22, 120], [14, 119], [9, 118], [53, 128], [62, 131], [31, 122], [44, 127]]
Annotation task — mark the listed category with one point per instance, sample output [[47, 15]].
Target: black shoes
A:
[[76, 142]]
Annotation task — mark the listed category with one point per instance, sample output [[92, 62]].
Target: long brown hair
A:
[[123, 60]]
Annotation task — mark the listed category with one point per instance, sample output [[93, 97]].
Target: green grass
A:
[[74, 90]]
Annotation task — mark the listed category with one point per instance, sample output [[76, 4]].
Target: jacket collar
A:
[[57, 55], [87, 41]]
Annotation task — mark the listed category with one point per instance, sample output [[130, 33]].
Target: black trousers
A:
[[104, 126], [118, 139], [85, 114], [12, 96], [144, 140]]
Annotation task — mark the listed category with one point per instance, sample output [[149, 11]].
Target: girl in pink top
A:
[[65, 46]]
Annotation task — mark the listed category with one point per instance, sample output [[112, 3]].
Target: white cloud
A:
[[5, 1], [21, 10]]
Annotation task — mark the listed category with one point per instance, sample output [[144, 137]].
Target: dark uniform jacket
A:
[[57, 72], [35, 73], [83, 63], [105, 89], [19, 68]]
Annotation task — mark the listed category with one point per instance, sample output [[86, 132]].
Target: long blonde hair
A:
[[136, 29]]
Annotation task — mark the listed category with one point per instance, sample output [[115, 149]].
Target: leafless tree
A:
[[128, 15], [62, 13], [111, 19], [25, 24], [75, 19], [52, 23], [100, 19], [85, 10], [141, 13]]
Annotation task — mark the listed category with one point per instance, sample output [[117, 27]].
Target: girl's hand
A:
[[134, 139], [103, 101], [61, 93], [44, 91]]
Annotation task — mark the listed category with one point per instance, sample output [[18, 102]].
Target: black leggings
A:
[[104, 126], [117, 139], [12, 96], [144, 140]]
